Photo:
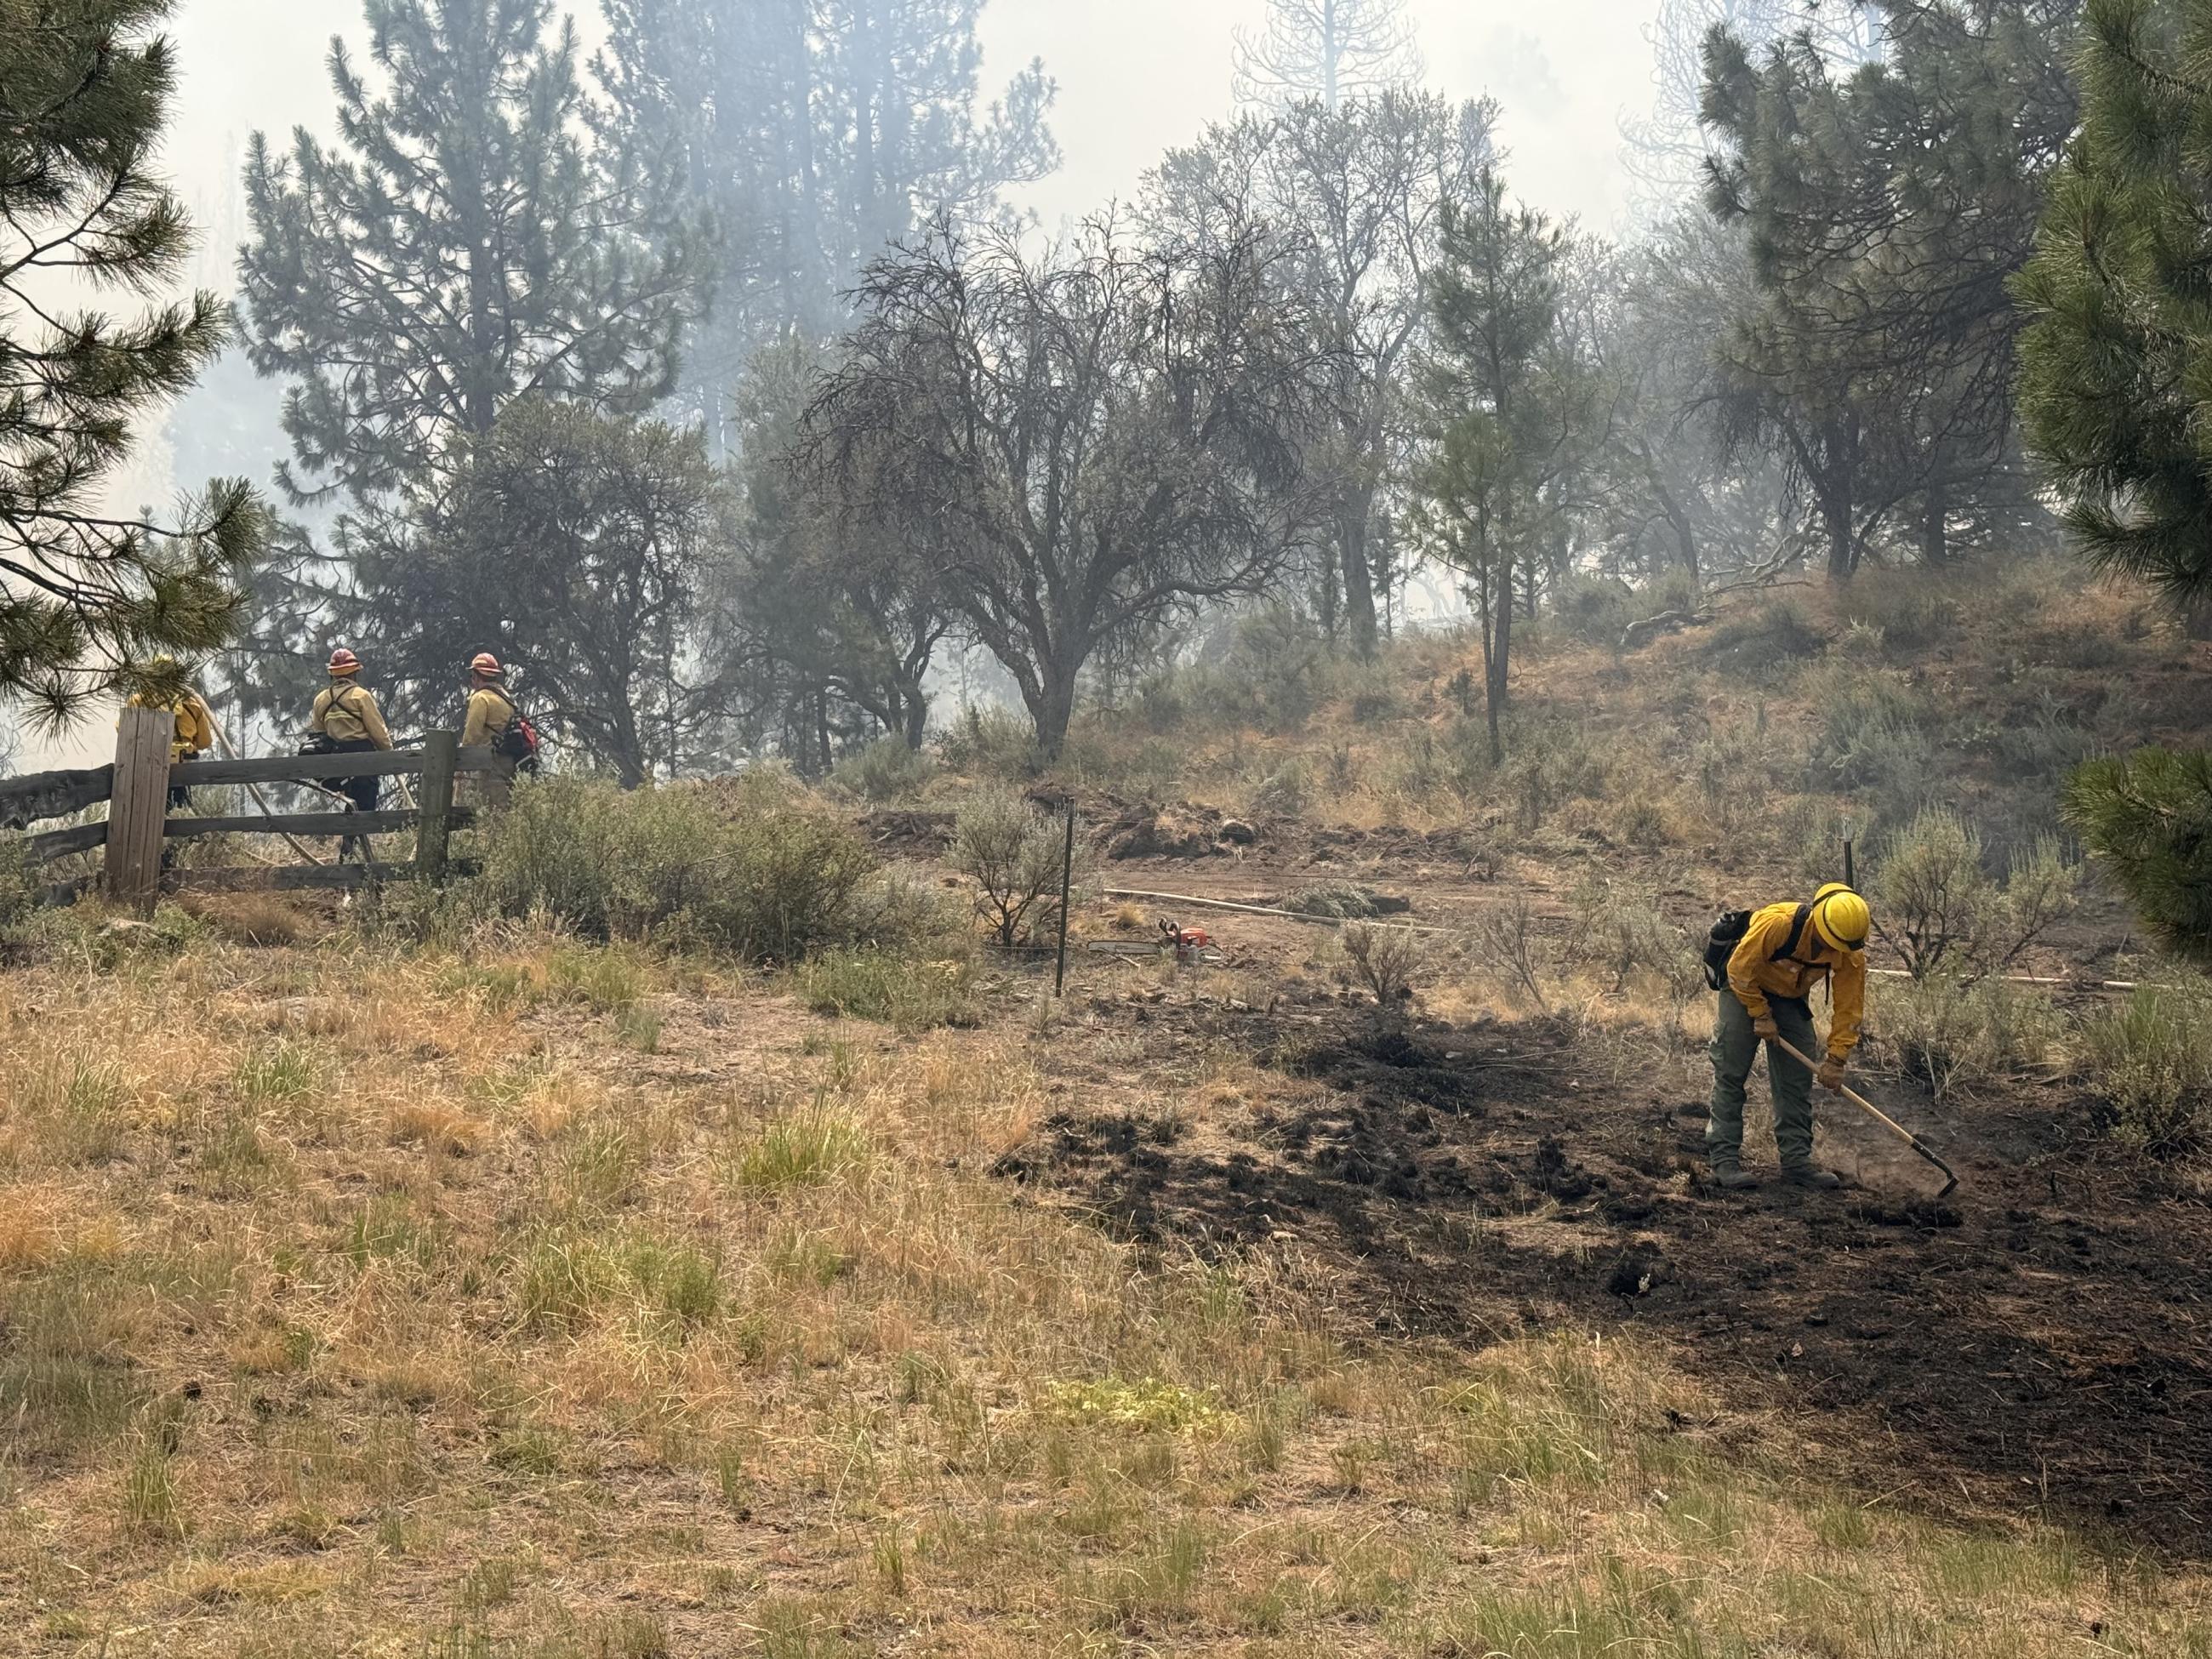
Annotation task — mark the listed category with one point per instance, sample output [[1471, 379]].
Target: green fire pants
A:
[[1734, 1051]]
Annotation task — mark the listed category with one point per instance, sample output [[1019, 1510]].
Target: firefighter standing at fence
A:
[[346, 720], [194, 724]]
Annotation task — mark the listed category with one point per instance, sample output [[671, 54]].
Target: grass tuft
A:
[[810, 1146]]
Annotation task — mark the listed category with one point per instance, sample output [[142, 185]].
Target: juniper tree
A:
[[1674, 495], [462, 244], [573, 545], [828, 611], [90, 597]]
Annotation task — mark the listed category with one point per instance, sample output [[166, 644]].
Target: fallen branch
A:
[[1668, 622], [2045, 979], [1257, 909]]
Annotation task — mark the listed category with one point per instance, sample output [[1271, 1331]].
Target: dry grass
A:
[[361, 1306]]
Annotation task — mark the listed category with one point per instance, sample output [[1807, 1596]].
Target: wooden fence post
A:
[[138, 806], [434, 801]]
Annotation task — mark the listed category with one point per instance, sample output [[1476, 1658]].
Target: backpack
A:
[[518, 739], [1728, 931], [322, 743]]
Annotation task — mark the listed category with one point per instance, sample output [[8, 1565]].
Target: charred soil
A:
[[2038, 1343]]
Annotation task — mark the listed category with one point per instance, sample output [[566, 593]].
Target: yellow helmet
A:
[[1840, 917]]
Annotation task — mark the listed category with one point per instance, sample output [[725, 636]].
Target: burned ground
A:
[[2036, 1343]]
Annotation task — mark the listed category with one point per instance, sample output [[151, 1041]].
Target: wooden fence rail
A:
[[137, 789]]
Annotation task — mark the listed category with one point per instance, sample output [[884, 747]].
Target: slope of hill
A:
[[442, 1277]]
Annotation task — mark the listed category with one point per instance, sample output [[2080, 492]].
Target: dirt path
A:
[[2043, 1340]]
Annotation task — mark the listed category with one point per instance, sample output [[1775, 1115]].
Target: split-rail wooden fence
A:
[[137, 786]]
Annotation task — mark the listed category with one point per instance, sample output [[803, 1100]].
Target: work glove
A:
[[1831, 1074], [1766, 1030]]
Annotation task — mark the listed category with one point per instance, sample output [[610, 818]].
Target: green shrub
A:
[[1548, 764], [1385, 960], [1938, 907], [1594, 609], [1729, 764], [1876, 733], [1372, 691], [883, 771], [1013, 853], [1276, 669], [755, 868], [2039, 743], [900, 990], [1946, 1036], [991, 743], [1450, 761], [1620, 929], [2150, 1059], [1288, 788]]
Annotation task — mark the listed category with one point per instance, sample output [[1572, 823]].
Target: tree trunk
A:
[[1935, 525], [1053, 708], [1686, 533], [1833, 489], [1325, 598], [1843, 545], [1499, 665], [1358, 579]]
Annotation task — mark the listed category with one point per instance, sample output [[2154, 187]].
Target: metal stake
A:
[[1067, 892]]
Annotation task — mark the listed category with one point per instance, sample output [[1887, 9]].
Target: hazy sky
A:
[[1135, 76]]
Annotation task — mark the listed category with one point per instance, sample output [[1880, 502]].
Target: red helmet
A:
[[484, 662], [343, 661]]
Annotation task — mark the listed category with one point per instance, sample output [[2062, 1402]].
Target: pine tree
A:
[[462, 246], [1332, 50], [2148, 818], [2116, 403], [816, 132], [1887, 208], [2114, 397], [1512, 403], [89, 599]]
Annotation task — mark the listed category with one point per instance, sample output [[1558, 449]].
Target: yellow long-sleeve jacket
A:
[[488, 713], [195, 726], [346, 710], [1754, 974]]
